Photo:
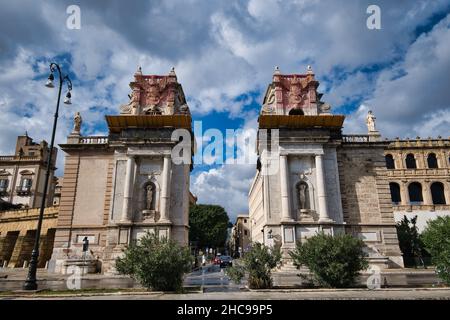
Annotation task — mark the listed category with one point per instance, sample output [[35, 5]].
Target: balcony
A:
[[23, 191], [3, 191]]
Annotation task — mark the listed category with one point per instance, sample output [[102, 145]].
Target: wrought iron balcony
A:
[[23, 190]]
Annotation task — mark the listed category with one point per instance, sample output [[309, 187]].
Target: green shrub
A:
[[334, 261], [157, 264], [436, 238], [258, 263]]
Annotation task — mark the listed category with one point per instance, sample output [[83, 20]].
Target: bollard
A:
[[5, 264], [46, 264], [25, 264]]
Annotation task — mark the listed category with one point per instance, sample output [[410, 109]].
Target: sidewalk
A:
[[294, 294]]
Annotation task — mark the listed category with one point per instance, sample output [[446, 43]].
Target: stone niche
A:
[[147, 189], [302, 181]]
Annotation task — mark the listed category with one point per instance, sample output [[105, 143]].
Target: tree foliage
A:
[[208, 225], [410, 241], [258, 263], [157, 264], [335, 261], [436, 238]]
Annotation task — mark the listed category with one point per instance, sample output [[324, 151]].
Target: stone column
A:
[[128, 189], [321, 191], [284, 185], [426, 193], [165, 192], [404, 193]]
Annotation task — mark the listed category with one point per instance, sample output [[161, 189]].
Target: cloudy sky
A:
[[224, 53]]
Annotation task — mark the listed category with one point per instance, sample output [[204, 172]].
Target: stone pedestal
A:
[[374, 136], [305, 215]]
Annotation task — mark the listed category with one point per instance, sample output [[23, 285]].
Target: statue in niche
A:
[[370, 121], [303, 196], [77, 121], [149, 197]]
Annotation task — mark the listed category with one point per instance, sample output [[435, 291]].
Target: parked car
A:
[[226, 261], [216, 260]]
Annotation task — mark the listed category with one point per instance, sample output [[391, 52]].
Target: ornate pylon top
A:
[[155, 95], [294, 94]]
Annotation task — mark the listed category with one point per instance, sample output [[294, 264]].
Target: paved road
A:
[[212, 278]]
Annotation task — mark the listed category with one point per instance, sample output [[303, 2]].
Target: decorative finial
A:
[[172, 72], [277, 70], [139, 70], [309, 70]]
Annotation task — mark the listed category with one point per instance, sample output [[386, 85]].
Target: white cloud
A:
[[412, 99], [221, 51], [226, 186]]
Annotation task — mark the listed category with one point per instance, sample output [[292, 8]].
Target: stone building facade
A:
[[418, 173], [240, 236], [118, 187], [17, 234], [22, 175], [312, 178]]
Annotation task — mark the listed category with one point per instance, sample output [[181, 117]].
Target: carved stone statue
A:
[[370, 121], [302, 196], [77, 121], [149, 197]]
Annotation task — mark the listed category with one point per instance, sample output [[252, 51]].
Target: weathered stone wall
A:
[[366, 198], [256, 208], [423, 174], [17, 234]]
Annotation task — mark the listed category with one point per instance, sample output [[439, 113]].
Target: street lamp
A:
[[30, 282]]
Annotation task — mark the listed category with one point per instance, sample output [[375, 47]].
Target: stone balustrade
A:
[[352, 138], [93, 140]]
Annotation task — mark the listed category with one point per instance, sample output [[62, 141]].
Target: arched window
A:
[[437, 193], [303, 195], [410, 161], [432, 161], [395, 192], [390, 164], [415, 192], [296, 112]]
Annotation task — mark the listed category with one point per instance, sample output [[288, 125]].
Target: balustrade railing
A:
[[355, 138], [93, 140]]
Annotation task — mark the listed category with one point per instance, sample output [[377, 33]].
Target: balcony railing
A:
[[23, 190], [23, 158], [93, 140]]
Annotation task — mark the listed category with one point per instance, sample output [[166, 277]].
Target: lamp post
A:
[[30, 282]]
